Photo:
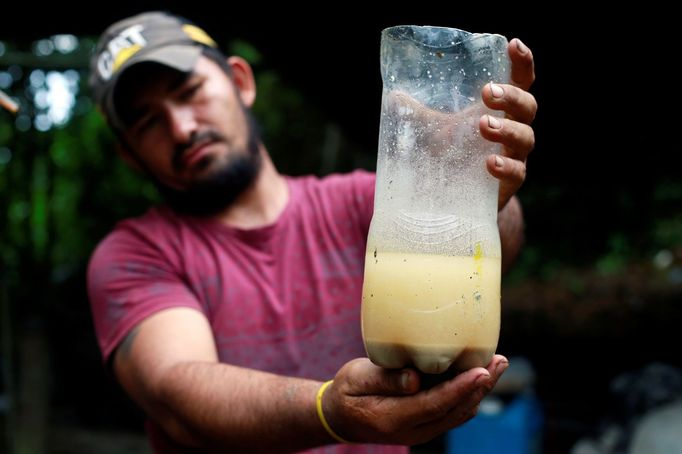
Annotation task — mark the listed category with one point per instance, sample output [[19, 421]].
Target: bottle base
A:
[[429, 359]]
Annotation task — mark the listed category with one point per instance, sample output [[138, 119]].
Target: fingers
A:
[[466, 392], [515, 102], [518, 138], [496, 368], [467, 408], [513, 132], [510, 172], [361, 377], [522, 65]]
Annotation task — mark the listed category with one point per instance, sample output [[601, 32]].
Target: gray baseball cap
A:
[[155, 36]]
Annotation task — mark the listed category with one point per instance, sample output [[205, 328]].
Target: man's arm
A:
[[168, 365], [511, 226]]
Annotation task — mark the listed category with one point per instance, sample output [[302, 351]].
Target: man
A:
[[221, 313]]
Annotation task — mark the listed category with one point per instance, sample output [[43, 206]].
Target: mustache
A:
[[208, 136]]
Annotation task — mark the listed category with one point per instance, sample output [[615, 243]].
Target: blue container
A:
[[514, 428]]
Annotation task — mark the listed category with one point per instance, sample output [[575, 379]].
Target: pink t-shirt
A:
[[284, 298]]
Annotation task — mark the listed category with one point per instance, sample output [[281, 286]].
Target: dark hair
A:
[[218, 57]]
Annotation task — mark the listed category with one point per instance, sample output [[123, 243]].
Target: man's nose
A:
[[181, 122]]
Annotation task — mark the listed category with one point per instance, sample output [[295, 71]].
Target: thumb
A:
[[361, 377]]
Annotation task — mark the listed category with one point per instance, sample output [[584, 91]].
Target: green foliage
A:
[[666, 229], [667, 232], [246, 51], [616, 257]]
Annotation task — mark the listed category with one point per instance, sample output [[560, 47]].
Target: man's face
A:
[[191, 133]]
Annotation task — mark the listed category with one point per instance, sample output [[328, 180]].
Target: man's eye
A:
[[145, 123], [189, 92]]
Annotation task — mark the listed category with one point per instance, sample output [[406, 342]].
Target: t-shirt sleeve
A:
[[130, 278]]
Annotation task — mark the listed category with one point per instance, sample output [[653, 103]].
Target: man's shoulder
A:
[[156, 225], [334, 181], [346, 195], [357, 175], [157, 219]]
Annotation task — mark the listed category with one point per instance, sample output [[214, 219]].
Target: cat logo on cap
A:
[[120, 49]]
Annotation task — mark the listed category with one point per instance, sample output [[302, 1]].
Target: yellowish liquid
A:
[[430, 311]]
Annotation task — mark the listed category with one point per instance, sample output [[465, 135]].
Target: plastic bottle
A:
[[431, 295]]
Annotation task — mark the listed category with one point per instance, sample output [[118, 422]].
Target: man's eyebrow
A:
[[135, 115], [177, 82]]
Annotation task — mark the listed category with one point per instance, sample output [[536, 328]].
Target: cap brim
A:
[[181, 57]]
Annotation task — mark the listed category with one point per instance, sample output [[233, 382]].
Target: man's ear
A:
[[125, 153], [242, 77]]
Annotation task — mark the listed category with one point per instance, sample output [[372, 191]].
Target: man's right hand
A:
[[367, 403]]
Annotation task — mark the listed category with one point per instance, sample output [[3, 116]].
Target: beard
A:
[[218, 190]]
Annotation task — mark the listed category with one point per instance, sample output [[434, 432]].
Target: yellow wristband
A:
[[318, 400]]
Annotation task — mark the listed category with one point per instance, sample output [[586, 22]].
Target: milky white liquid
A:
[[430, 311]]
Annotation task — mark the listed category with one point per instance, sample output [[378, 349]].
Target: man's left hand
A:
[[513, 131]]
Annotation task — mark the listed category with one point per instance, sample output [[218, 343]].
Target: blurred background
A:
[[591, 310]]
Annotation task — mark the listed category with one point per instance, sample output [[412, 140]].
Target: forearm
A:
[[226, 407], [511, 225]]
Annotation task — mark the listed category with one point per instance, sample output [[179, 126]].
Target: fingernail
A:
[[499, 162], [501, 367], [482, 379], [521, 47], [405, 380], [496, 90], [494, 123]]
